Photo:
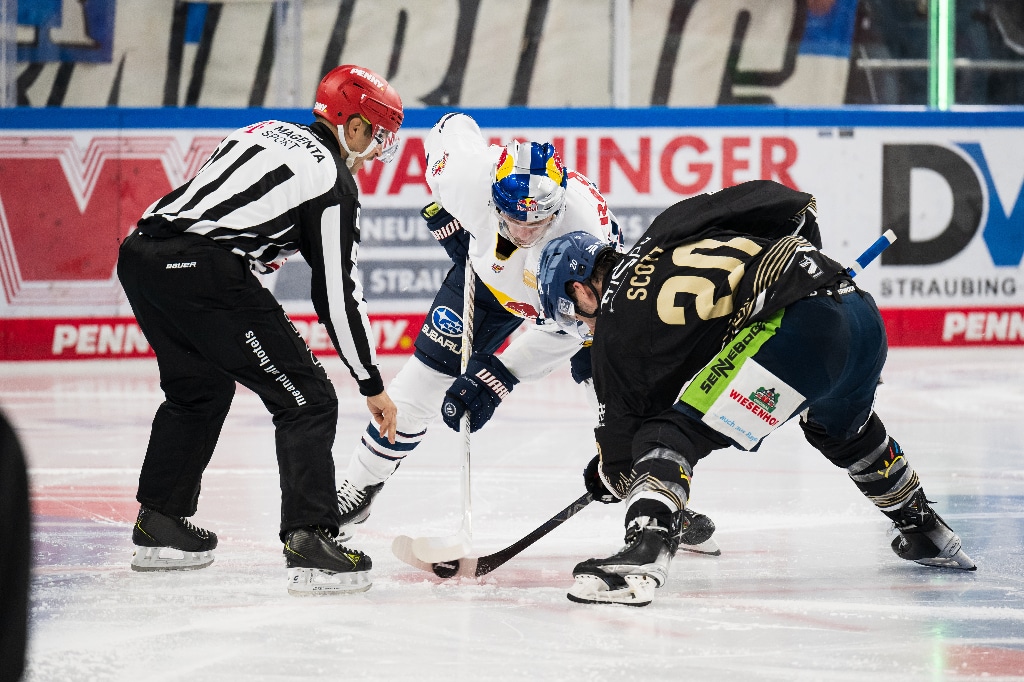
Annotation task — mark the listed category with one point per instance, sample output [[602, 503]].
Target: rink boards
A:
[[73, 182]]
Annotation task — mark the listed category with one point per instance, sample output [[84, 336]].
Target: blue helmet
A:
[[528, 187], [568, 258]]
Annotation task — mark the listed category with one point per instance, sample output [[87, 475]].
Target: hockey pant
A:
[[821, 359], [419, 387], [211, 324]]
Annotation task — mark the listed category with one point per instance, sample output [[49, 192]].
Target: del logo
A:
[[446, 321], [767, 398], [1002, 230], [439, 165]]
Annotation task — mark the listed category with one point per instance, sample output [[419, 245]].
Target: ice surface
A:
[[806, 587]]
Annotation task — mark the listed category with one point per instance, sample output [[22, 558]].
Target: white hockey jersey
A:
[[459, 168]]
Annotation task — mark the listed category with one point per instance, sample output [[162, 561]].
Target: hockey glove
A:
[[486, 382], [595, 484], [447, 231]]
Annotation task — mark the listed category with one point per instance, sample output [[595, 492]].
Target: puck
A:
[[446, 569]]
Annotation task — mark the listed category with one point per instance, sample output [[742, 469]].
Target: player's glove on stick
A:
[[595, 484], [480, 390], [447, 231]]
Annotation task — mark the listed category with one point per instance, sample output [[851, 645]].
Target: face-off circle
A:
[[446, 569]]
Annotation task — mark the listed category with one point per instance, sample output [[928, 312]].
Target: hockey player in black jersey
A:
[[270, 190], [724, 321]]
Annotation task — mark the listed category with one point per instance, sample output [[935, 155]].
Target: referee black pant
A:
[[211, 324]]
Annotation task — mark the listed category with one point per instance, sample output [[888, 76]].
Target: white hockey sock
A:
[[375, 459]]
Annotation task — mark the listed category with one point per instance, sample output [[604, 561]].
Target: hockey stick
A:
[[474, 567], [871, 253], [434, 549], [406, 549]]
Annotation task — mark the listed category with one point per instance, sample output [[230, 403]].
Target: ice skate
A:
[[354, 504], [630, 576], [320, 564], [697, 530], [926, 538], [170, 543]]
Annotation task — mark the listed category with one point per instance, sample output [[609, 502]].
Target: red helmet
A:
[[347, 90]]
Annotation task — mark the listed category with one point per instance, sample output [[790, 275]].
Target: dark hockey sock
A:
[[661, 476], [875, 463]]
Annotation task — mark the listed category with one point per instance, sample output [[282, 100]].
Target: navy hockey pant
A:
[[211, 324], [822, 356]]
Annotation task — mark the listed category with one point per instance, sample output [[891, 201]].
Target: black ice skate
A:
[[170, 543], [320, 564], [697, 530], [926, 538], [354, 504], [630, 576]]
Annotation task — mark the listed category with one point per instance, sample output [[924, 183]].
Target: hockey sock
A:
[[874, 461], [376, 458], [887, 480], [661, 476]]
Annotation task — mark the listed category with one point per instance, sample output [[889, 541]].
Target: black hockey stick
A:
[[474, 567]]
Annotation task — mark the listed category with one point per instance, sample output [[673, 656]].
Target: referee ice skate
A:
[[270, 190]]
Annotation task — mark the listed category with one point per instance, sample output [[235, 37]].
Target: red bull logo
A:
[[521, 309], [439, 165], [527, 204]]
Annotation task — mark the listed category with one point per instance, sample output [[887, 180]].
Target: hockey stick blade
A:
[[436, 549], [466, 567]]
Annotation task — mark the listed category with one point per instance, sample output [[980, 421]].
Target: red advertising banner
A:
[[86, 338]]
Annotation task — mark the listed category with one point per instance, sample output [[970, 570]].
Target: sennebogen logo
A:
[[1002, 230]]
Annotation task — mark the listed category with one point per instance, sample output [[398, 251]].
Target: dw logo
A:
[[446, 321], [1002, 230]]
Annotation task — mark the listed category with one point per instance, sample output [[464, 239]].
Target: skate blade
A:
[[709, 547], [960, 561], [304, 582], [590, 589], [169, 559]]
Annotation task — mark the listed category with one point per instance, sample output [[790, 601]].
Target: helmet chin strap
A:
[[352, 157]]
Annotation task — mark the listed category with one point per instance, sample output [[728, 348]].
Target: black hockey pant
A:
[[211, 324]]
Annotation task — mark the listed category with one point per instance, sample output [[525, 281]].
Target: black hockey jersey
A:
[[705, 268], [270, 190]]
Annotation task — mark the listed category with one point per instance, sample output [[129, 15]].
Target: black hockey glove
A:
[[447, 231], [486, 382], [595, 485]]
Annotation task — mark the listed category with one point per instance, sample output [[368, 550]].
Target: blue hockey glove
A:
[[595, 484], [447, 231], [486, 382]]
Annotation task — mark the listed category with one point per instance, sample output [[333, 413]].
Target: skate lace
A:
[[196, 530], [342, 548], [349, 497]]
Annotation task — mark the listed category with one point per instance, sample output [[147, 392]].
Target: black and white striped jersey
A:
[[270, 190]]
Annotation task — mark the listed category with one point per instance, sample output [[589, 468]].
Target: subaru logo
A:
[[446, 321]]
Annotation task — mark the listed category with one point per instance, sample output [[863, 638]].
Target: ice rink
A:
[[806, 587]]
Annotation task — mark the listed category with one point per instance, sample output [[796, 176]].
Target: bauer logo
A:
[[446, 321]]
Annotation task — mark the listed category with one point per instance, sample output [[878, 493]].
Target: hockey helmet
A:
[[350, 90], [571, 257], [528, 190]]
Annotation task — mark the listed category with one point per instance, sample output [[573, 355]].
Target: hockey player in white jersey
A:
[[497, 206]]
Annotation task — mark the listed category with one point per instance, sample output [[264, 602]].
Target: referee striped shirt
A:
[[274, 189]]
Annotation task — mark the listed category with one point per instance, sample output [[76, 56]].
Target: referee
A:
[[270, 190]]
